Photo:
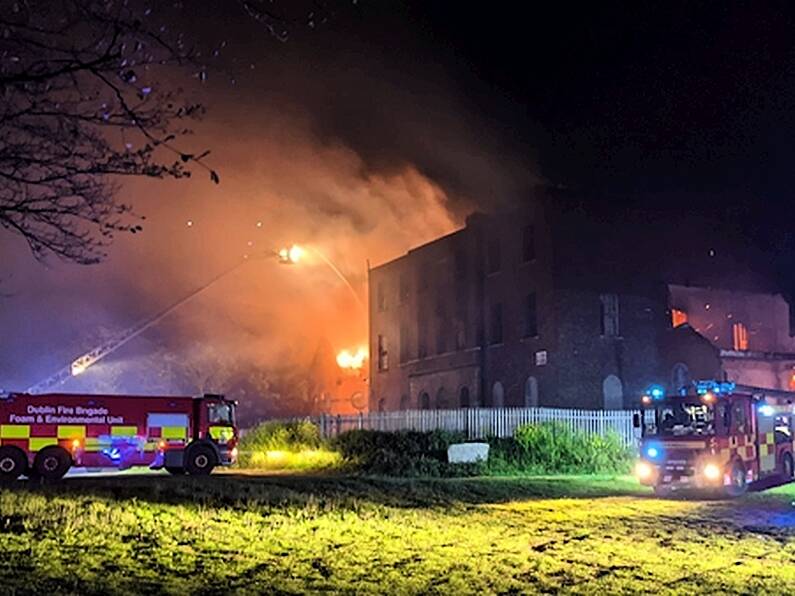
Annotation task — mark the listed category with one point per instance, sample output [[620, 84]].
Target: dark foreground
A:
[[235, 533]]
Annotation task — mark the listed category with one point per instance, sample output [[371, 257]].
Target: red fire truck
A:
[[45, 435], [717, 436]]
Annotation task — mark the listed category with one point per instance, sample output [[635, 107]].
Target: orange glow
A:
[[740, 336], [291, 255], [708, 397], [678, 317], [352, 361]]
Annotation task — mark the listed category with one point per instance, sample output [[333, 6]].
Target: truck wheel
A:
[[737, 484], [175, 471], [200, 460], [13, 462], [51, 463], [787, 470]]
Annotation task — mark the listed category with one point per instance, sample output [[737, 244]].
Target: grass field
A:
[[286, 534]]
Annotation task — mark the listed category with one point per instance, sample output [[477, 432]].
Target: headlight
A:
[[712, 472], [643, 470]]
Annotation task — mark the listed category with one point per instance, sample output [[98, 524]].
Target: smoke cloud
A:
[[357, 156]]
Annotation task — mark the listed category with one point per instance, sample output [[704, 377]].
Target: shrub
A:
[[402, 453], [285, 446], [554, 448]]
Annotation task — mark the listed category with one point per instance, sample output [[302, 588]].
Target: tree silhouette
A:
[[87, 95]]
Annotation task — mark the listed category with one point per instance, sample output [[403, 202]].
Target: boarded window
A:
[[530, 315], [463, 397], [497, 395], [404, 343], [381, 297], [609, 315], [496, 324], [531, 392]]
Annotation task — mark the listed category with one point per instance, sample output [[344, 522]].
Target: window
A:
[[612, 393], [460, 264], [497, 395], [441, 400], [422, 345], [494, 257], [738, 422], [404, 289], [740, 336], [425, 276], [609, 315], [383, 354], [528, 243], [404, 343], [463, 397], [496, 324], [381, 297], [531, 392], [404, 402], [678, 317], [425, 401], [441, 343], [220, 413], [530, 316]]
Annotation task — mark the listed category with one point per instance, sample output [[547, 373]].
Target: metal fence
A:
[[484, 422]]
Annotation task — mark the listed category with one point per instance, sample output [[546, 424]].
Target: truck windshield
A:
[[221, 413], [680, 419]]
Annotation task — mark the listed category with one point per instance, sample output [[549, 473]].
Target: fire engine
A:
[[715, 436], [45, 435]]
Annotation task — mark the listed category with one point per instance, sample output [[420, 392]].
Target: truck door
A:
[[766, 440]]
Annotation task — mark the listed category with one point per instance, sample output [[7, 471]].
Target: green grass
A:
[[243, 533]]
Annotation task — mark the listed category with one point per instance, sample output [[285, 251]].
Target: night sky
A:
[[382, 127]]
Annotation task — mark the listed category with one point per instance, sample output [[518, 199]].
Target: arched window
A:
[[613, 393], [404, 402], [531, 392], [441, 399], [497, 395], [680, 377], [463, 397], [425, 401]]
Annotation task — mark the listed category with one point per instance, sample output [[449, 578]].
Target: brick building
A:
[[538, 306], [740, 336], [557, 304]]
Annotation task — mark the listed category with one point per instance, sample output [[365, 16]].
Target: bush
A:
[[553, 448], [402, 453], [285, 446]]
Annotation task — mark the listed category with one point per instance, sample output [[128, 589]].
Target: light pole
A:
[[295, 253]]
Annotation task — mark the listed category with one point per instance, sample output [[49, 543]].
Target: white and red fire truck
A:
[[718, 436], [45, 435]]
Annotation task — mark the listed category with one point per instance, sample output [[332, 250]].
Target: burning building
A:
[[555, 305]]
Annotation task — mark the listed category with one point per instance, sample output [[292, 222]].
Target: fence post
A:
[[361, 421]]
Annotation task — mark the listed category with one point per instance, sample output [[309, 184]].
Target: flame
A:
[[291, 255], [345, 359]]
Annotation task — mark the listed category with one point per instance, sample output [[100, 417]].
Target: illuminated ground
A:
[[243, 533]]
